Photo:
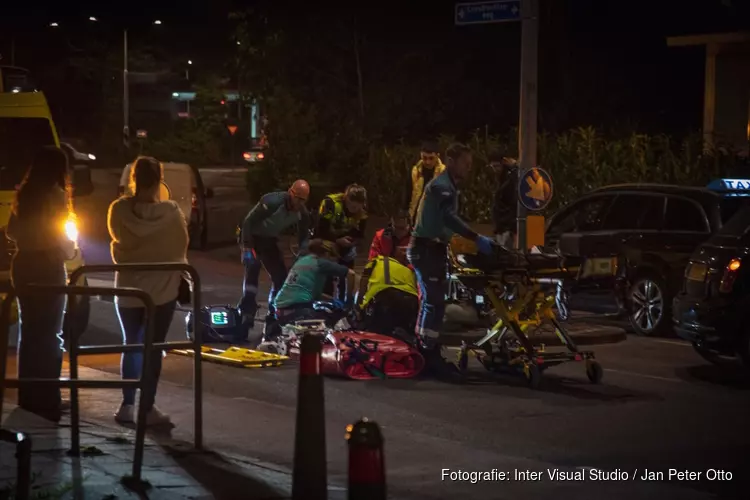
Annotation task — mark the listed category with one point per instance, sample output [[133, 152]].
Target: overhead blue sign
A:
[[503, 11], [535, 189], [730, 185]]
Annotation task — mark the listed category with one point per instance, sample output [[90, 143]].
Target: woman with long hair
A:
[[145, 229], [37, 226]]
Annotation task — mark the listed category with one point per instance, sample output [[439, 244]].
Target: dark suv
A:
[[633, 242]]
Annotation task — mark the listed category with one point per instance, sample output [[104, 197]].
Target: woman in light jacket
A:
[[143, 230], [37, 226]]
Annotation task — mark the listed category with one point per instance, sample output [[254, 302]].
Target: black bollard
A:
[[310, 476], [366, 461]]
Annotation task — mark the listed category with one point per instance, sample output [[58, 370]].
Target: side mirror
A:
[[81, 180], [209, 193]]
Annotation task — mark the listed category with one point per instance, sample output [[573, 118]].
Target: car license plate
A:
[[696, 272], [599, 267]]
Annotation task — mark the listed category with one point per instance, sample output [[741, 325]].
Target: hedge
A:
[[578, 161]]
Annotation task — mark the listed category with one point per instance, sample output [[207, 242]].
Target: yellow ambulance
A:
[[26, 125]]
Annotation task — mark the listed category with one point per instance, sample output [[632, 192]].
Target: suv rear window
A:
[[684, 215], [20, 139]]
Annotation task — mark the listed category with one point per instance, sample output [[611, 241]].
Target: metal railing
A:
[[146, 385]]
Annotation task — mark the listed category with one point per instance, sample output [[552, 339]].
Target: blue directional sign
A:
[[502, 11], [535, 189]]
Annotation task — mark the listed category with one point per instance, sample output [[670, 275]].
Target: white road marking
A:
[[643, 375], [236, 170], [682, 343]]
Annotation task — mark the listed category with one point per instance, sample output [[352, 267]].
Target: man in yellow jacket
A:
[[427, 168], [388, 297]]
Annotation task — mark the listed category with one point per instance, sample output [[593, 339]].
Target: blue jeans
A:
[[430, 261], [132, 321]]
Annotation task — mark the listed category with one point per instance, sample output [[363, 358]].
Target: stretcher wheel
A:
[[594, 371], [533, 375]]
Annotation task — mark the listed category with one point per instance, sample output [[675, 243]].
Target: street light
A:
[[92, 18], [157, 22], [53, 25]]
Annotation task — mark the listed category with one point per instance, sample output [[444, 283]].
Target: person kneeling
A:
[[303, 287], [388, 299]]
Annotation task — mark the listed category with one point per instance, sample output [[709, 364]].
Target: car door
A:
[[580, 222], [685, 227]]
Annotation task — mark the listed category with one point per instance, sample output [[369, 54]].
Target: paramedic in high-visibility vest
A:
[[393, 240], [259, 239], [388, 297], [427, 168], [342, 220], [436, 222]]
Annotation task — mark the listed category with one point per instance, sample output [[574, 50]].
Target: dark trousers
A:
[[268, 255], [430, 260], [132, 321], [392, 309], [40, 345]]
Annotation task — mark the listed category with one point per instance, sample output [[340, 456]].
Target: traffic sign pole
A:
[[527, 123]]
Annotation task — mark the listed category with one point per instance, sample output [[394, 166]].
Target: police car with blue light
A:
[[712, 309]]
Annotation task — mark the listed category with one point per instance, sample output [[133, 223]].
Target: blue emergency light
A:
[[731, 187]]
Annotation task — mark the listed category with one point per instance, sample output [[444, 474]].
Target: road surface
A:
[[660, 407]]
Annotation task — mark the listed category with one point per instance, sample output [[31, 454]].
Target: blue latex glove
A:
[[339, 304], [248, 256], [484, 245]]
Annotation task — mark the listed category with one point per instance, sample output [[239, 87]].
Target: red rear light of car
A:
[[730, 276], [246, 155], [261, 156]]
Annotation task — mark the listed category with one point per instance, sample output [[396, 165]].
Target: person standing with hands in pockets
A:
[[144, 230]]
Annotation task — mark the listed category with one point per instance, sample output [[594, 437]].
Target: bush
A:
[[578, 161]]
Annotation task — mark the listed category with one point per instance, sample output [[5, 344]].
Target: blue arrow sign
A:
[[503, 11], [535, 189]]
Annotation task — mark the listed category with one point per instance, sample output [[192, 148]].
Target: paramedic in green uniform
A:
[[437, 220], [259, 235], [304, 286]]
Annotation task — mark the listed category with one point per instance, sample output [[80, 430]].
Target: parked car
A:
[[633, 241], [712, 310], [254, 155]]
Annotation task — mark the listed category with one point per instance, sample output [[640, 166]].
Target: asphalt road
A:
[[660, 407]]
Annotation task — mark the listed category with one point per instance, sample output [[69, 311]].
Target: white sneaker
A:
[[156, 417], [125, 414]]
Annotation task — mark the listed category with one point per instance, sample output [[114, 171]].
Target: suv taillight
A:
[[730, 276]]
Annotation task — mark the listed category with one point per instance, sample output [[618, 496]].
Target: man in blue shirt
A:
[[273, 214], [436, 222]]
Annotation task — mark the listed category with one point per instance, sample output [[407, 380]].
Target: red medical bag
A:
[[364, 356]]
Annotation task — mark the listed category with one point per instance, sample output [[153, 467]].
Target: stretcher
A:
[[239, 357], [524, 292]]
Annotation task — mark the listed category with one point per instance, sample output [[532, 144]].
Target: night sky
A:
[[602, 62]]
